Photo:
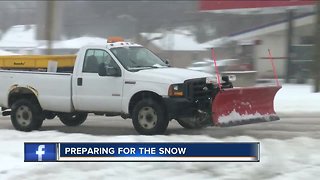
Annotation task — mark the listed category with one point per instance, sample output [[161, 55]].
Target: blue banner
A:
[[159, 151], [143, 152]]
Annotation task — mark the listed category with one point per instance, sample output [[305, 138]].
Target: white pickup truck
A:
[[119, 78]]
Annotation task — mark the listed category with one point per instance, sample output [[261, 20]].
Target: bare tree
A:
[[316, 67]]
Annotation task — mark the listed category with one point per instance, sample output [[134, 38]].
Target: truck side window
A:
[[94, 57]]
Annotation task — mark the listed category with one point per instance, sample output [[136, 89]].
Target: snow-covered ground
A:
[[295, 99], [296, 158]]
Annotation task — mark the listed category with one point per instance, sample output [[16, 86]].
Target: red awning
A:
[[207, 5]]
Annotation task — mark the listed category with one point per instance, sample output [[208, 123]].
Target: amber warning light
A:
[[114, 39]]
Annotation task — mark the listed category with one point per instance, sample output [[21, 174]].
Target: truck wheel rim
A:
[[147, 117], [24, 115]]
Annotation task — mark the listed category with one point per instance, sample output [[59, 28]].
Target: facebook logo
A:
[[38, 152]]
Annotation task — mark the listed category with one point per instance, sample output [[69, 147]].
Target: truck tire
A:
[[26, 115], [72, 119], [189, 124], [149, 117]]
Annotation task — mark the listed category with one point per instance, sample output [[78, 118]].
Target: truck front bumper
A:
[[182, 107]]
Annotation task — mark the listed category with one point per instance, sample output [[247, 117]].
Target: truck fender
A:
[[128, 98], [21, 89]]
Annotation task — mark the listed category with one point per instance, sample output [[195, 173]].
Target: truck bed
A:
[[53, 89]]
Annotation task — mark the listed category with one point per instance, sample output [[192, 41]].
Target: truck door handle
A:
[[79, 81]]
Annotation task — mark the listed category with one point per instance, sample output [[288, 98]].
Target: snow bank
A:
[[77, 43], [20, 36], [296, 158], [297, 99]]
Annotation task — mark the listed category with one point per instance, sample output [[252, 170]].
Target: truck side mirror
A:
[[112, 71], [167, 62], [102, 70]]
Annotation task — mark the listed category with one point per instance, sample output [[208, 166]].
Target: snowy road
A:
[[287, 127], [289, 150]]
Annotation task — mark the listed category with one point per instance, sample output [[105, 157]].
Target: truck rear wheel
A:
[[26, 115], [149, 117], [72, 119]]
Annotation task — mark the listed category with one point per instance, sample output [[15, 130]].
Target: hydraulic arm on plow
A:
[[237, 106]]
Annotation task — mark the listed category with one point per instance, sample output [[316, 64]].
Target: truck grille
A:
[[197, 89]]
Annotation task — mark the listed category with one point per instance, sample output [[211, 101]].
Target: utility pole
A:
[[49, 24], [316, 62], [289, 44]]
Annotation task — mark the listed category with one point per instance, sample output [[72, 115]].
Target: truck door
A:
[[97, 93]]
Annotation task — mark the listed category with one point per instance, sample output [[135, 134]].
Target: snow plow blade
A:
[[238, 106]]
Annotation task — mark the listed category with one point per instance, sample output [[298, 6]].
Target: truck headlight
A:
[[176, 90]]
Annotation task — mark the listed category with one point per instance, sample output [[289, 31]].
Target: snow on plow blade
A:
[[237, 106]]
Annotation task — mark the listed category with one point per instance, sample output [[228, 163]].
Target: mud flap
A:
[[237, 106]]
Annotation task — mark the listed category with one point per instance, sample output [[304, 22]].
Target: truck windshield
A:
[[137, 58]]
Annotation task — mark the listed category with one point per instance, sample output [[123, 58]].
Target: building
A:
[[257, 40]]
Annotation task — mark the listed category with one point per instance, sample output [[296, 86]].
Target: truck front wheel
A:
[[26, 115], [149, 117], [72, 119]]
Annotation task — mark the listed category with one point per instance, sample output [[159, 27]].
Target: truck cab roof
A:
[[112, 45]]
